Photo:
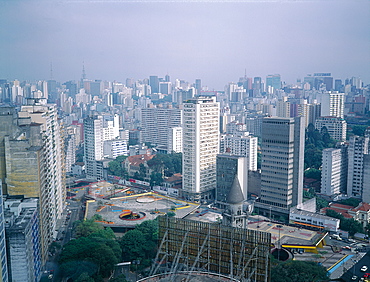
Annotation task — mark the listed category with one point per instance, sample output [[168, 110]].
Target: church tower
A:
[[233, 215]]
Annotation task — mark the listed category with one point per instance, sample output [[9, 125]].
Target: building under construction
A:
[[241, 254]]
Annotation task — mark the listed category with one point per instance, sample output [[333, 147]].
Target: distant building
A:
[[114, 148], [332, 104], [337, 127], [175, 140]]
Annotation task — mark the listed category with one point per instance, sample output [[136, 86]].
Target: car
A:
[[364, 268], [354, 277], [366, 275]]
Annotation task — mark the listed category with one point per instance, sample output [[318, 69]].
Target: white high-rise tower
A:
[[200, 147]]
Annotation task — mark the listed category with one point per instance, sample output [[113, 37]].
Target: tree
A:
[[87, 227], [313, 173], [351, 202], [351, 225], [156, 179], [298, 271]]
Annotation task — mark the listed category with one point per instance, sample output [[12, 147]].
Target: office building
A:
[[273, 81], [336, 127], [282, 163], [154, 84], [200, 147]]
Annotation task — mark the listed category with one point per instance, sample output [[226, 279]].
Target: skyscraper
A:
[[200, 147], [32, 162], [332, 104], [282, 163], [358, 147], [154, 83]]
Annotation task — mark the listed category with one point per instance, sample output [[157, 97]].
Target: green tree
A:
[[85, 277], [359, 129], [321, 203], [298, 271], [87, 227], [351, 225], [156, 179], [313, 173], [351, 202]]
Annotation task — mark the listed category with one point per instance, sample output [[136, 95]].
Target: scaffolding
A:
[[186, 245]]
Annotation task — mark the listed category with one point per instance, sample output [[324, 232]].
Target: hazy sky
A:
[[214, 41]]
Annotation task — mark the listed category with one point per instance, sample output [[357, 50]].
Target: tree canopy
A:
[[346, 224], [166, 164], [93, 254], [116, 168], [298, 271]]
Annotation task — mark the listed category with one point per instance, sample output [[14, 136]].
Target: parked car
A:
[[364, 268]]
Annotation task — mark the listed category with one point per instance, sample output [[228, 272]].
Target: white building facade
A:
[[200, 147], [331, 173], [337, 127]]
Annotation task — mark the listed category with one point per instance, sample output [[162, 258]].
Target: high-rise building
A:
[[337, 127], [3, 255], [156, 122], [200, 147], [22, 237], [241, 145], [332, 104], [154, 83], [332, 172], [282, 163], [230, 167], [93, 146], [33, 162], [358, 146], [175, 140], [274, 81]]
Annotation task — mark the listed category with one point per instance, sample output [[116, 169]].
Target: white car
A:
[[364, 268]]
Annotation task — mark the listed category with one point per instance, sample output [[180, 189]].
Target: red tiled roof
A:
[[341, 211], [362, 207], [139, 159]]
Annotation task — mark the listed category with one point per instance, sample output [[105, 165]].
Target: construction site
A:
[[185, 245]]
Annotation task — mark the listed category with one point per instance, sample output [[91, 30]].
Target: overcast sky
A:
[[217, 42]]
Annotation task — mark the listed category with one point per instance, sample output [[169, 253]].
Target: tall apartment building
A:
[[156, 122], [22, 236], [175, 140], [93, 141], [282, 163], [200, 147], [230, 167], [241, 145], [32, 162], [337, 127], [358, 146], [332, 174], [283, 108], [332, 104]]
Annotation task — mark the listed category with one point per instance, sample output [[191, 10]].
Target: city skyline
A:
[[217, 42]]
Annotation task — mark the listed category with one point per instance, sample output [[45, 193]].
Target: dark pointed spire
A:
[[235, 195]]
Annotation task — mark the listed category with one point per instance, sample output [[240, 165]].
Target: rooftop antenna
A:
[[83, 71], [245, 73], [51, 70]]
